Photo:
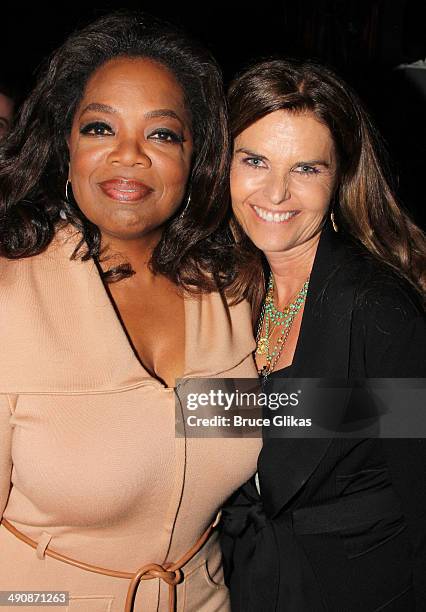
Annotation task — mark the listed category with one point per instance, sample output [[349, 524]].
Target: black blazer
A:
[[341, 524]]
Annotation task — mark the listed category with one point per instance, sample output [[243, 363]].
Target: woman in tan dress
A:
[[114, 265]]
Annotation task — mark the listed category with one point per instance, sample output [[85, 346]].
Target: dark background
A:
[[364, 40]]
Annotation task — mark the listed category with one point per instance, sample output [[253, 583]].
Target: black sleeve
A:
[[394, 344]]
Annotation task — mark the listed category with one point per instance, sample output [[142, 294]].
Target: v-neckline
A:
[[128, 341], [205, 319]]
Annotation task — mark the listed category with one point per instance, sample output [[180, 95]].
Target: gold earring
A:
[[335, 226]]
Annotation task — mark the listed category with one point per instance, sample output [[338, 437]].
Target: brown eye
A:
[[97, 128], [165, 135]]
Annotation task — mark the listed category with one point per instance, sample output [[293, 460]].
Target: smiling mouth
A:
[[125, 190], [271, 217]]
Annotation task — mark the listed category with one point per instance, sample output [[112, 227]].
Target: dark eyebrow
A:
[[100, 108], [7, 122], [251, 153], [105, 108], [311, 162], [314, 162], [162, 112]]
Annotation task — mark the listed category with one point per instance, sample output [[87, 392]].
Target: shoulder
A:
[[60, 249], [388, 322], [384, 313], [42, 278], [49, 308], [383, 297], [379, 291]]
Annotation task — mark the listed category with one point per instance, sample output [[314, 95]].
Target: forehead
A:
[[133, 82], [284, 132]]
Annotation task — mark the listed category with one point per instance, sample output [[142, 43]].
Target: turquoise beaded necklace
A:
[[272, 318]]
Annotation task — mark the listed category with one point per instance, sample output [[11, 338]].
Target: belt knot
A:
[[150, 571], [154, 570]]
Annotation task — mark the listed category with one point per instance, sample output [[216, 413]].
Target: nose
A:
[[277, 188], [130, 152]]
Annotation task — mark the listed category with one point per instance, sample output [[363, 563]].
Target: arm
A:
[[395, 346], [5, 450]]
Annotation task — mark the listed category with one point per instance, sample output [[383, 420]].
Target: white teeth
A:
[[273, 217]]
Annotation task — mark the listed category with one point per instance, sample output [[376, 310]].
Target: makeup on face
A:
[[130, 148], [282, 179]]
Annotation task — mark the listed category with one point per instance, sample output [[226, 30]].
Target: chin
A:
[[267, 241], [275, 248], [271, 246], [131, 227], [121, 231]]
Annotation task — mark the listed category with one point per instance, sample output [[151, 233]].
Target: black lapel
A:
[[322, 352]]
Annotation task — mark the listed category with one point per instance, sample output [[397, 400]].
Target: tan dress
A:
[[89, 461]]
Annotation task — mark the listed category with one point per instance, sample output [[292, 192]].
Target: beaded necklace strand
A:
[[272, 318]]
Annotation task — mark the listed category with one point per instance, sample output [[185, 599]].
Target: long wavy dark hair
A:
[[194, 250], [365, 206]]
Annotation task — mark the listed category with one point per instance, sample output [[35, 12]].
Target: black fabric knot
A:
[[245, 508]]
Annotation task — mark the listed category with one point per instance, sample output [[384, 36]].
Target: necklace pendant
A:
[[264, 372], [262, 346]]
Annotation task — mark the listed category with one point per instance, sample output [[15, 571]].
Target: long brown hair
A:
[[364, 204]]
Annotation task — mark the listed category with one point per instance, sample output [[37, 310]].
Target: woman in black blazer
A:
[[329, 524]]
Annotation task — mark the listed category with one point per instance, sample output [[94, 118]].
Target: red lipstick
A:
[[125, 190]]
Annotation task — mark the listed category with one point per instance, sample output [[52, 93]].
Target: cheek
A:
[[242, 215], [324, 197], [315, 196], [83, 163], [242, 184], [173, 173]]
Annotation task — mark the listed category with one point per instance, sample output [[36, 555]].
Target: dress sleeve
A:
[[5, 450], [395, 347]]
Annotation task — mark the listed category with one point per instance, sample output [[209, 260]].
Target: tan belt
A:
[[171, 572]]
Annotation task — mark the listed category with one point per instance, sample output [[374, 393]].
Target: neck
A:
[[291, 269], [135, 251]]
